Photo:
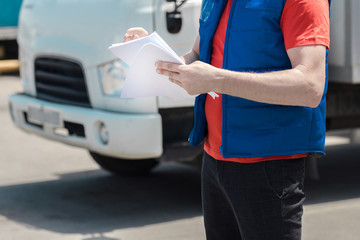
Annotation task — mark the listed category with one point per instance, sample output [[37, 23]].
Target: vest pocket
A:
[[253, 129], [264, 143], [246, 114], [292, 116]]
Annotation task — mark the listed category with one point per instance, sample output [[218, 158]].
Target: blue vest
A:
[[254, 43]]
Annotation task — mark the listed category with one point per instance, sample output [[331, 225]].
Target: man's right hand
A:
[[135, 33]]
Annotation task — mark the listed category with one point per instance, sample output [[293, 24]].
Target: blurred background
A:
[[78, 162]]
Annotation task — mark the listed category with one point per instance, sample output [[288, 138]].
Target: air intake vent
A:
[[61, 81]]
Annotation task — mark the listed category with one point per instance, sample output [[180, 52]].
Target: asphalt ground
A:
[[49, 190]]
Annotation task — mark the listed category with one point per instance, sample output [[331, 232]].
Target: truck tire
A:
[[124, 167]]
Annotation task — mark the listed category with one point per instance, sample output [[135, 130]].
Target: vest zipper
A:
[[227, 33], [224, 66]]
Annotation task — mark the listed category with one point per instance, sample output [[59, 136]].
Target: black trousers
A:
[[253, 201]]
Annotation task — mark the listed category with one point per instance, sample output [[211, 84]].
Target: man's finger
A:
[[172, 67], [175, 81], [129, 37], [134, 33], [141, 32], [174, 75]]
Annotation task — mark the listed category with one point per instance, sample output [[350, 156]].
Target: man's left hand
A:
[[195, 78]]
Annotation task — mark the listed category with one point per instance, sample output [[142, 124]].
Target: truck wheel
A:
[[124, 167]]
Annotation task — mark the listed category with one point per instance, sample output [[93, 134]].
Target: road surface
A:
[[52, 191]]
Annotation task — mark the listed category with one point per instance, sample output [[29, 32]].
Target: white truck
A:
[[71, 81]]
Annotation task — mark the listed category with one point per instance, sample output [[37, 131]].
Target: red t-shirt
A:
[[303, 22]]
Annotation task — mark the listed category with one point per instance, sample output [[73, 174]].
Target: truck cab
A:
[[71, 80]]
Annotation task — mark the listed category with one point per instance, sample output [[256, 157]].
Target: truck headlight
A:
[[112, 77]]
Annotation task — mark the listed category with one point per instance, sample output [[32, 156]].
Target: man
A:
[[267, 60]]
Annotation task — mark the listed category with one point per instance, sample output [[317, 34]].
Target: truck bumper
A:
[[122, 135]]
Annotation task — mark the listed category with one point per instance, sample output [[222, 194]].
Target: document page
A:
[[141, 79]]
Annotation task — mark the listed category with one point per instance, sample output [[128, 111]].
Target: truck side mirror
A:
[[173, 21], [174, 18]]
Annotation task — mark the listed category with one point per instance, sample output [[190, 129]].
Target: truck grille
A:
[[61, 81]]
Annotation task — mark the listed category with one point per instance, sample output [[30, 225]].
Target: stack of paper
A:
[[141, 79]]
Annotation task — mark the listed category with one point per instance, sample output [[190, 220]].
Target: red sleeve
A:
[[305, 22]]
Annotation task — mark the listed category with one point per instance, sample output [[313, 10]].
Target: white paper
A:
[[141, 79]]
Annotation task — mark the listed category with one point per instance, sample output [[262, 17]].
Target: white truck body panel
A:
[[81, 31], [344, 57]]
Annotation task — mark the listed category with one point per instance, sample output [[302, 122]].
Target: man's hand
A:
[[135, 33], [195, 78]]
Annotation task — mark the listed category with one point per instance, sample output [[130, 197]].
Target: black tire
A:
[[124, 167]]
